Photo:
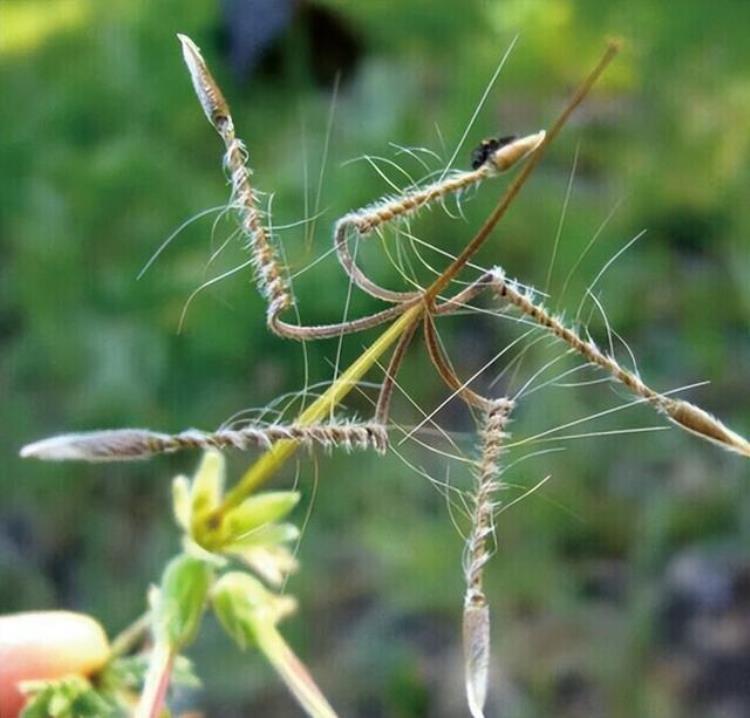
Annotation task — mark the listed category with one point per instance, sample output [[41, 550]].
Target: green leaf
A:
[[235, 599], [259, 511], [181, 501], [242, 603], [268, 535], [183, 593], [208, 483]]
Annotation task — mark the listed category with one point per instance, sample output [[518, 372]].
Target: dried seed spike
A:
[[364, 221], [476, 640], [476, 618], [126, 444], [209, 95], [114, 445], [501, 159], [686, 415], [270, 276]]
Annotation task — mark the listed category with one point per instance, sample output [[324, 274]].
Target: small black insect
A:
[[487, 147]]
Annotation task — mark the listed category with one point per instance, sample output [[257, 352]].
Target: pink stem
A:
[[157, 682]]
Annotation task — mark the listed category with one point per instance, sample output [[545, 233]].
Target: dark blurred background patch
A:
[[258, 34]]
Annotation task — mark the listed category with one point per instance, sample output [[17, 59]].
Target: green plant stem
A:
[[157, 682], [130, 636]]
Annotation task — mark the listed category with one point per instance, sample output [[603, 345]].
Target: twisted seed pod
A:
[[682, 413], [271, 281], [269, 273], [476, 617], [125, 444], [364, 221]]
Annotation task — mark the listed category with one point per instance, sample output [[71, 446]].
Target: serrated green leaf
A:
[[238, 599], [234, 598]]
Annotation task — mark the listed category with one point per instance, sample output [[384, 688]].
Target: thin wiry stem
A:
[[445, 370], [154, 693], [383, 407]]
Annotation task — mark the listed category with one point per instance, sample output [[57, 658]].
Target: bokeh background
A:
[[622, 586]]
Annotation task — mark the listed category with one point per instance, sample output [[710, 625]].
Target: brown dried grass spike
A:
[[128, 444], [684, 414], [476, 616], [271, 282]]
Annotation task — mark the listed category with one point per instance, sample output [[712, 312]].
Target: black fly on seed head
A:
[[487, 147]]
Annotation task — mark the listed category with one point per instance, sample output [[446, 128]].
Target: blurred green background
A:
[[622, 586]]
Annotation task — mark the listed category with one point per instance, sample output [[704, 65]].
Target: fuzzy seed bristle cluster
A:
[[271, 282], [124, 444], [364, 221], [370, 218], [385, 211]]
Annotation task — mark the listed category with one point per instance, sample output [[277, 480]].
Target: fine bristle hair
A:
[[126, 444], [476, 614]]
